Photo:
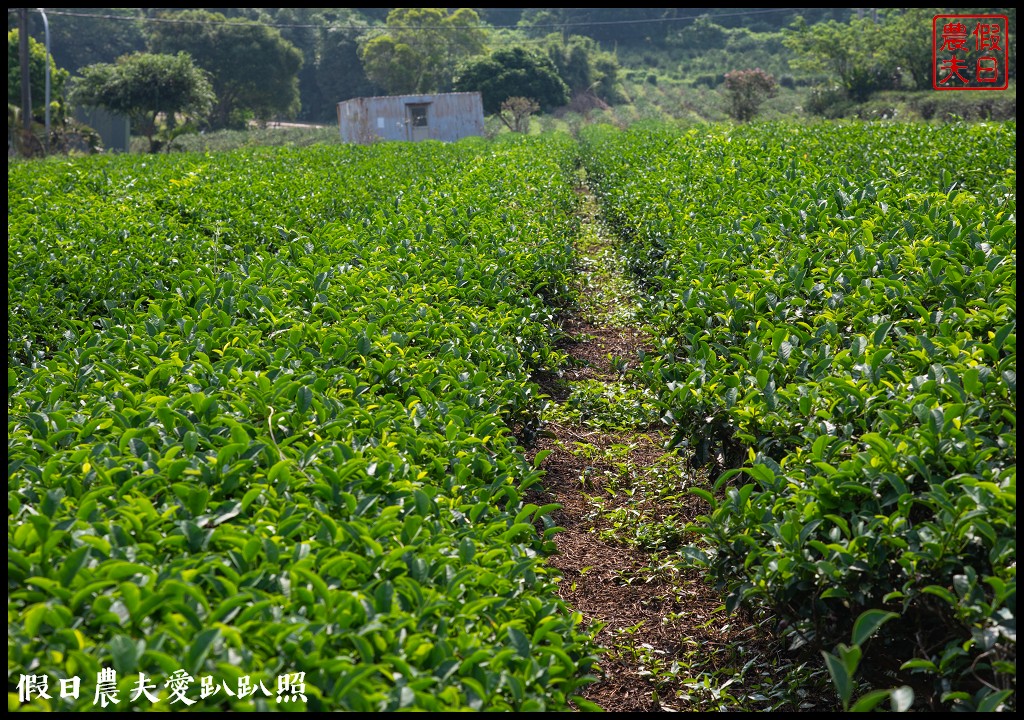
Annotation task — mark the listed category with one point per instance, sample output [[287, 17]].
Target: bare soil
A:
[[659, 623]]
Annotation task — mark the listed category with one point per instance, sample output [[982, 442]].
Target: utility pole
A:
[[26, 89], [46, 29]]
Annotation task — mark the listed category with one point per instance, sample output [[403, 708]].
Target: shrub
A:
[[747, 90]]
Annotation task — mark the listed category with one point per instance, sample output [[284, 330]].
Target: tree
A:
[[852, 53], [253, 70], [515, 72], [328, 40], [420, 48], [303, 27], [515, 112], [907, 34], [584, 66], [537, 23], [331, 70], [747, 91], [144, 87], [37, 77], [339, 74]]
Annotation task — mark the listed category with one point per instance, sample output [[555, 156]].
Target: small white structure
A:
[[440, 116]]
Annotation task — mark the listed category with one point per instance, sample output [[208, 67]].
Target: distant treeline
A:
[[635, 26], [585, 44], [81, 37]]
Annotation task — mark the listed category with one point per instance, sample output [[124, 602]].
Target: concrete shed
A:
[[440, 116]]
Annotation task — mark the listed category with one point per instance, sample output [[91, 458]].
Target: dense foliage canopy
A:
[[253, 70], [419, 49], [144, 87], [514, 72], [37, 76]]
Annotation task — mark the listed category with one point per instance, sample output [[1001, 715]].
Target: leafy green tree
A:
[[747, 90], [331, 69], [419, 49], [906, 33], [254, 71], [537, 23], [704, 49], [514, 72], [328, 39], [37, 77], [584, 66], [146, 86], [852, 54], [704, 34], [903, 37], [340, 74], [302, 27]]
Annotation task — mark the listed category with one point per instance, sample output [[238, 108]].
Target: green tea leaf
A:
[[868, 623]]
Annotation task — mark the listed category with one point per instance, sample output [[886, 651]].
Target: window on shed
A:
[[418, 115]]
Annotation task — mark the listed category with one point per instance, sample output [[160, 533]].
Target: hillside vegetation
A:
[[615, 66]]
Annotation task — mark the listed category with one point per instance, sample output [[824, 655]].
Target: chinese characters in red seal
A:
[[970, 52]]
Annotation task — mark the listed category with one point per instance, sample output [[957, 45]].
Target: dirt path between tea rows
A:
[[667, 642]]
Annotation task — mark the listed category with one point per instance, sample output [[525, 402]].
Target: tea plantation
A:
[[268, 410]]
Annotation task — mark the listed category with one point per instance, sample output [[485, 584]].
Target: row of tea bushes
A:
[[835, 314], [261, 409]]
